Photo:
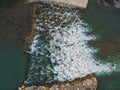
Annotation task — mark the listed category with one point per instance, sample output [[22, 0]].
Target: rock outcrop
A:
[[110, 3], [77, 3], [87, 83]]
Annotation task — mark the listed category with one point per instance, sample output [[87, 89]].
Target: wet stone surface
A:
[[47, 18]]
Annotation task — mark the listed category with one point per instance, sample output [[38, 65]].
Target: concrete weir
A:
[[77, 3]]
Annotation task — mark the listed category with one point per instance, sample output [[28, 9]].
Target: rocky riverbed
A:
[[43, 21], [46, 19], [87, 83]]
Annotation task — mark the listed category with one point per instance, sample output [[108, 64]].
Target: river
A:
[[106, 28]]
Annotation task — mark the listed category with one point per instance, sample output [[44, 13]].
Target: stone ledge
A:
[[87, 83], [77, 3]]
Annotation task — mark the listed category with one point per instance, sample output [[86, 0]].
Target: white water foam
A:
[[75, 59], [69, 52]]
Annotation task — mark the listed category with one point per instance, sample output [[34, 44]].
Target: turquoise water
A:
[[12, 67]]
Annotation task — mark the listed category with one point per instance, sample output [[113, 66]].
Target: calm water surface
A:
[[12, 67]]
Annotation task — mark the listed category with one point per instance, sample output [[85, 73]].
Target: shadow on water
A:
[[105, 24]]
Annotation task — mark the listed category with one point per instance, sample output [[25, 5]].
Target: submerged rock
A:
[[110, 3], [87, 83], [76, 3]]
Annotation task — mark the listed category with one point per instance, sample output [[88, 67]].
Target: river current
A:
[[60, 50], [103, 24]]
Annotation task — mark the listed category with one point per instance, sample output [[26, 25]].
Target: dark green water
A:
[[105, 24], [6, 4], [12, 67]]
